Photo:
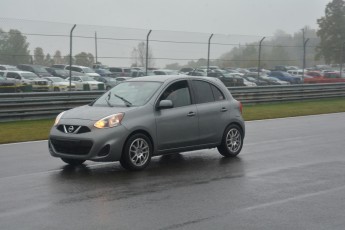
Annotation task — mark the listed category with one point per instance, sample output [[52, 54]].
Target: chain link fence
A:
[[49, 43]]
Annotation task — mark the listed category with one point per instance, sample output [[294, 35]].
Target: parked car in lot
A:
[[59, 66], [105, 73], [37, 69], [229, 80], [83, 69], [86, 83], [284, 76], [165, 72], [29, 78], [6, 85], [59, 84], [149, 116], [56, 72], [109, 82], [120, 72], [258, 82], [8, 67]]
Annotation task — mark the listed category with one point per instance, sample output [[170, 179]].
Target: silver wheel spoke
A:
[[139, 152], [233, 140]]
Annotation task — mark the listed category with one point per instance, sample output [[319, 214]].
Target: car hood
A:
[[94, 113]]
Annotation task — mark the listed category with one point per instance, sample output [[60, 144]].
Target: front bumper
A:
[[96, 144]]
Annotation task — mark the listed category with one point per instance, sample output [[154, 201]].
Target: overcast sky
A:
[[254, 17], [221, 17]]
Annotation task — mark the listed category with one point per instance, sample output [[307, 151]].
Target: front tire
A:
[[137, 152], [73, 162], [232, 141]]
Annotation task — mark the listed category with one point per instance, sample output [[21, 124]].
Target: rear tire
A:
[[73, 162], [137, 153], [232, 141]]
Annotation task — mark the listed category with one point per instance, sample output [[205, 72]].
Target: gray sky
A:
[[222, 17], [254, 17]]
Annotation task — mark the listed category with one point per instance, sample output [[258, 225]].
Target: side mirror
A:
[[165, 104]]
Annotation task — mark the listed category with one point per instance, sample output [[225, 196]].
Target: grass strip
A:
[[19, 131]]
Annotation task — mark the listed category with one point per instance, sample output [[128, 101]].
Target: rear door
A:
[[213, 111]]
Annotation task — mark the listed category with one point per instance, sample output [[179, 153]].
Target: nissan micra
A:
[[149, 116]]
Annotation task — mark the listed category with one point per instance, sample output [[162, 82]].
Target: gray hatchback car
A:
[[149, 116]]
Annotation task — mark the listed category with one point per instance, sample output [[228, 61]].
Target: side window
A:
[[203, 92], [218, 95], [13, 75], [178, 93], [75, 69]]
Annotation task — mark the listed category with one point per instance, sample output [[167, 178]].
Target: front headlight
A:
[[58, 118], [109, 121]]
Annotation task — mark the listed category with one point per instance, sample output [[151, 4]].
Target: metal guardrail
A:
[[26, 106]]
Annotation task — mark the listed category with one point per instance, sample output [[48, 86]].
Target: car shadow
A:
[[111, 182]]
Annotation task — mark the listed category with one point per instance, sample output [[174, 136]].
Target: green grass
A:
[[19, 131]]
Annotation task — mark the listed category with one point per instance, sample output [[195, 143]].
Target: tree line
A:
[[14, 50]]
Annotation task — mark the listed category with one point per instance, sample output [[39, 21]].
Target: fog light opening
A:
[[104, 151]]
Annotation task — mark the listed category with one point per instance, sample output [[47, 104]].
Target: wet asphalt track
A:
[[290, 175]]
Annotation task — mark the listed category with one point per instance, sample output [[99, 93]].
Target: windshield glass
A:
[[135, 92], [86, 78], [88, 70], [39, 69], [29, 76], [104, 71], [57, 79]]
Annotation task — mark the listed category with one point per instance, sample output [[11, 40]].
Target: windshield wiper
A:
[[107, 100], [127, 103]]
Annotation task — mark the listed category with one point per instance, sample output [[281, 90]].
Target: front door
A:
[[177, 127]]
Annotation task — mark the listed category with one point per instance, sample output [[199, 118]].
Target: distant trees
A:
[[13, 48], [332, 32], [281, 49], [84, 59], [38, 56], [139, 56]]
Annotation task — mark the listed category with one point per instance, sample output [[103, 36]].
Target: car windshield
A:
[[57, 79], [110, 79], [29, 76], [86, 78], [88, 70], [62, 71], [133, 93], [104, 71], [39, 69]]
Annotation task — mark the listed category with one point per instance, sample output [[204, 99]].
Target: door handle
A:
[[223, 109], [191, 114]]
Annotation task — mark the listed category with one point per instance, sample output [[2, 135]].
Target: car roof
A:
[[169, 78], [19, 71]]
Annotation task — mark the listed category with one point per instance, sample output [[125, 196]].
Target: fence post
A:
[[147, 51], [96, 48], [208, 54], [70, 57], [259, 59], [304, 52]]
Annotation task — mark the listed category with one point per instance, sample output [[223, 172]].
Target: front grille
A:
[[72, 147], [74, 129], [41, 83]]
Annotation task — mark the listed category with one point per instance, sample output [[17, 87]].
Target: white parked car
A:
[[59, 84], [83, 69], [86, 83], [28, 78]]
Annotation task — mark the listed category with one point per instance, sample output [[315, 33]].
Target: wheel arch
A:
[[140, 131], [237, 123]]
